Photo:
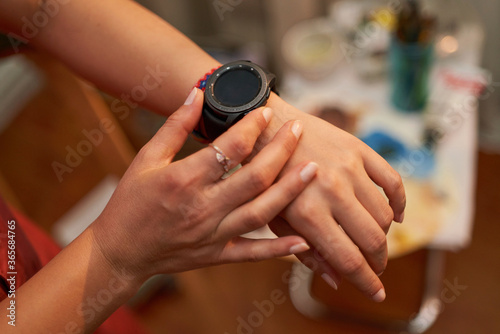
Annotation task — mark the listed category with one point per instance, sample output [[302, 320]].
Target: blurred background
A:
[[256, 29], [418, 81]]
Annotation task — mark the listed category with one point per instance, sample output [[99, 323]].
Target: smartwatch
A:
[[231, 92]]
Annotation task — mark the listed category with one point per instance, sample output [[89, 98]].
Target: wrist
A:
[[282, 113], [114, 260]]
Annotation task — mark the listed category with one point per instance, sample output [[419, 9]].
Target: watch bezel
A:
[[212, 101]]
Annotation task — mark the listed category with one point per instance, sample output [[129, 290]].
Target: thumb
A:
[[173, 134]]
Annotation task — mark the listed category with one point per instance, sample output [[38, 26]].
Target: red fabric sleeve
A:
[[34, 249]]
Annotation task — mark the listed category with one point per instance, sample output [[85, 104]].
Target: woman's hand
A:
[[341, 213], [168, 217], [343, 194], [173, 216]]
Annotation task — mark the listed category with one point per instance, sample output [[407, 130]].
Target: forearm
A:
[[75, 292], [116, 44], [121, 47]]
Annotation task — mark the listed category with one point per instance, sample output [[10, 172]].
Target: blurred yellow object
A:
[[427, 211], [385, 18]]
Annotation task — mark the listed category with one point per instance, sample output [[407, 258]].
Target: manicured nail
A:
[[297, 128], [400, 218], [379, 296], [267, 113], [191, 97], [329, 281], [299, 248], [308, 172]]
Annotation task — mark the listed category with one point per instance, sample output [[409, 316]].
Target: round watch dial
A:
[[237, 87]]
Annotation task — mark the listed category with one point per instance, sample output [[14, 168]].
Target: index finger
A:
[[236, 143], [170, 138]]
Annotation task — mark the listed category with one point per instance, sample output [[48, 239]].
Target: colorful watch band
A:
[[202, 84]]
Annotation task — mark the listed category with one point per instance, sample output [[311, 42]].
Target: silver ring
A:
[[221, 157]]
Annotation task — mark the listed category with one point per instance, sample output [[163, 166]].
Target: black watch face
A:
[[237, 87]]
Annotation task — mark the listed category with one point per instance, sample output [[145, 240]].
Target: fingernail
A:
[[191, 97], [400, 218], [329, 281], [267, 113], [308, 172], [379, 296], [380, 274], [299, 248], [297, 128]]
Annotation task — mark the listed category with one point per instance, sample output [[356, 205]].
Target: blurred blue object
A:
[[417, 162]]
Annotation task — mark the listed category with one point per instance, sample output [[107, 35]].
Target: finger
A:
[[324, 234], [242, 249], [375, 203], [264, 208], [349, 262], [364, 231], [311, 258], [172, 135], [386, 177], [260, 173], [236, 143]]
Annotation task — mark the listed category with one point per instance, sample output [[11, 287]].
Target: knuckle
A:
[[352, 264], [253, 257], [143, 154], [377, 243], [242, 146], [255, 219], [337, 187], [176, 180], [386, 218], [350, 163], [332, 186], [305, 210], [395, 181], [261, 179], [171, 181]]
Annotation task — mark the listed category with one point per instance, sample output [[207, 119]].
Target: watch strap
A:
[[200, 127], [202, 83]]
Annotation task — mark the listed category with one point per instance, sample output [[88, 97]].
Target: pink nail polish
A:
[[308, 172], [379, 296], [191, 97], [299, 248], [329, 281], [267, 113], [297, 128]]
